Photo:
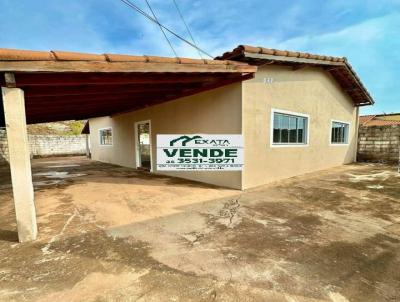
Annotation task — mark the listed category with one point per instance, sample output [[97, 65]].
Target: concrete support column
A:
[[357, 125], [87, 146], [20, 164]]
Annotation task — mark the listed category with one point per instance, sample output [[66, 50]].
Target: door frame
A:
[[137, 147]]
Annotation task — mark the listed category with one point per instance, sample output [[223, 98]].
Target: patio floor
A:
[[108, 233]]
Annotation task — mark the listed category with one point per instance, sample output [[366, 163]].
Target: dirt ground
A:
[[108, 233]]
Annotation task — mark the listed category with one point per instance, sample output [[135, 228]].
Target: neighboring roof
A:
[[381, 123], [380, 120], [389, 116], [366, 118], [338, 67], [61, 85]]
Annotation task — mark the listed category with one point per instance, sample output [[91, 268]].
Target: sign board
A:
[[199, 152]]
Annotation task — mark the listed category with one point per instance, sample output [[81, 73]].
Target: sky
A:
[[367, 32]]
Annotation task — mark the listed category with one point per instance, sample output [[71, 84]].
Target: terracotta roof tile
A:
[[155, 59], [303, 55], [366, 118], [17, 55], [292, 54], [124, 58], [267, 51], [280, 52], [76, 56], [188, 61], [286, 53], [29, 55], [254, 49], [374, 120], [217, 62]]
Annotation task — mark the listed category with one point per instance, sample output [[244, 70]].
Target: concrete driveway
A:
[[113, 234]]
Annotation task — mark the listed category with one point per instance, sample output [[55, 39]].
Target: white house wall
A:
[[213, 112]]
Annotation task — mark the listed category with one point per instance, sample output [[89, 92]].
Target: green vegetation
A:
[[57, 128], [76, 127]]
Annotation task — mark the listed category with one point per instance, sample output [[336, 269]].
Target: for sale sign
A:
[[199, 152]]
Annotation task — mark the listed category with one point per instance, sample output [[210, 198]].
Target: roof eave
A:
[[243, 52], [97, 66], [291, 59]]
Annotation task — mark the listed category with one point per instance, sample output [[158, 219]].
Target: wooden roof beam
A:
[[49, 100], [87, 111], [108, 67], [77, 79], [90, 110], [46, 91]]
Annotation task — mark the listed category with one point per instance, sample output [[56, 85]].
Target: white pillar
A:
[[87, 146], [20, 165]]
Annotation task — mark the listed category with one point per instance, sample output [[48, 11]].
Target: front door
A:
[[143, 145]]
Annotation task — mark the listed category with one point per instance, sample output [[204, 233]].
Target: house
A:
[[290, 112], [298, 114]]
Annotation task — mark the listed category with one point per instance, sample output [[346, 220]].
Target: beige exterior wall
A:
[[214, 112], [308, 91]]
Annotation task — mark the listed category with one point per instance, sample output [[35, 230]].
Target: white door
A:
[[143, 145]]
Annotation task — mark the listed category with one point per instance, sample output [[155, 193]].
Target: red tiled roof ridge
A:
[[380, 115], [373, 120], [364, 119], [369, 115], [8, 54], [380, 123], [283, 53]]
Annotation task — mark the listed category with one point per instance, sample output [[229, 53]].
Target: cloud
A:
[[371, 47], [365, 31]]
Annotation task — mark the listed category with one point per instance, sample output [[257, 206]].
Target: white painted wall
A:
[[213, 112]]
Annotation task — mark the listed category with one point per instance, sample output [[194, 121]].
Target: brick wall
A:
[[379, 143], [48, 145]]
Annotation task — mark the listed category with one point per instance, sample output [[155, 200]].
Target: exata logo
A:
[[198, 140], [185, 139]]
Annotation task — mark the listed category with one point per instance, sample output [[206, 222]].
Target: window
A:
[[340, 133], [106, 137], [289, 129]]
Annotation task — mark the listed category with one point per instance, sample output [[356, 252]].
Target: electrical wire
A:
[[136, 8], [162, 30], [187, 27]]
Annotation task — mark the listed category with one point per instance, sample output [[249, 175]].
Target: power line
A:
[[162, 30], [136, 8], [187, 27]]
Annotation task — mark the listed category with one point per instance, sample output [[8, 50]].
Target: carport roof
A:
[[338, 67], [61, 85]]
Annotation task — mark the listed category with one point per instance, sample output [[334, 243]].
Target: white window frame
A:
[[112, 137], [348, 133], [137, 156], [290, 145]]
